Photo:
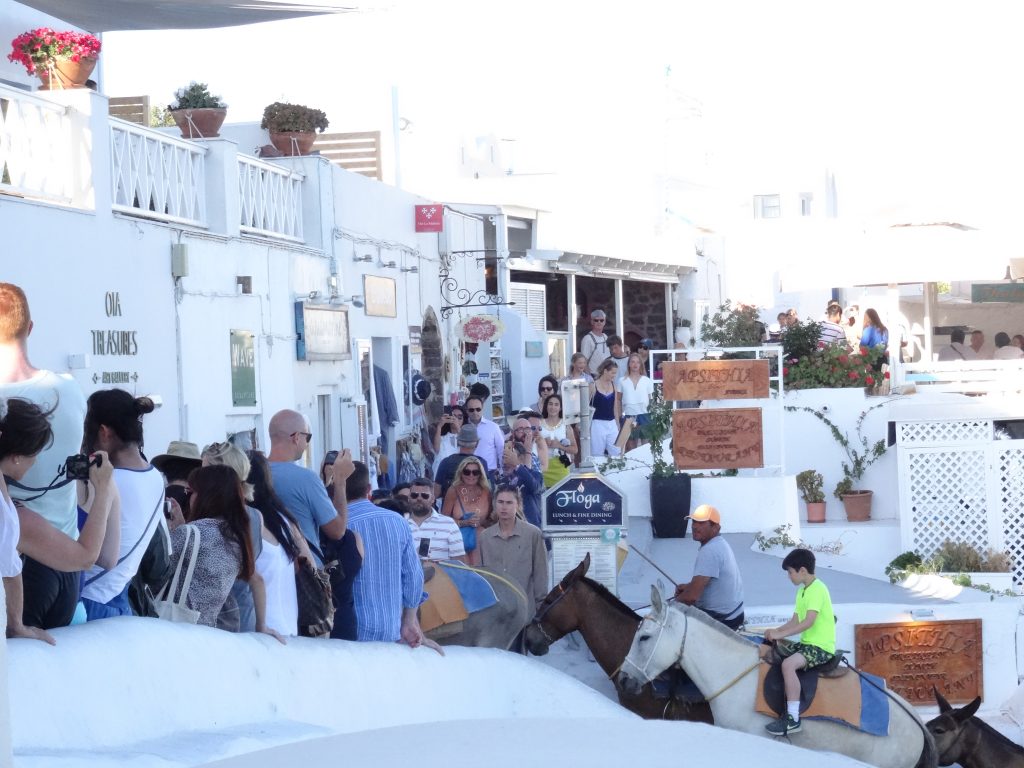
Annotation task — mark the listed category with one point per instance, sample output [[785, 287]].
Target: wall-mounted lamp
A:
[[920, 614], [355, 301], [367, 257], [386, 264], [412, 270], [313, 295]]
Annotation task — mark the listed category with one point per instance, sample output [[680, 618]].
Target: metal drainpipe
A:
[[182, 408]]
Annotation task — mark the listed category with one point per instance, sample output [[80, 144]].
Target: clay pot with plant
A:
[[62, 60], [197, 112], [809, 483], [293, 127]]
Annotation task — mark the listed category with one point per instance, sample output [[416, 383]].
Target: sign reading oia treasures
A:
[[717, 438], [914, 656]]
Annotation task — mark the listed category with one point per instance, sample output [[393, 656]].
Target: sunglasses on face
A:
[[419, 495], [474, 410], [471, 472], [547, 389], [307, 435], [595, 320]]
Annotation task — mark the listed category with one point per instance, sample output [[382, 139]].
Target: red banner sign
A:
[[430, 218]]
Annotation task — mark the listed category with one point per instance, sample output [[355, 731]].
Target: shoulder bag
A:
[[468, 531], [172, 603], [315, 597]]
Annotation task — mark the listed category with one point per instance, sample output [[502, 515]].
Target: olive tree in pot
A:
[[293, 127], [670, 489], [809, 483], [197, 112]]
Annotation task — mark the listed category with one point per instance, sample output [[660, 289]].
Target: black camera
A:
[[77, 467]]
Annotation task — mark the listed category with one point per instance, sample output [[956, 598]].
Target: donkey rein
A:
[[656, 566], [733, 682]]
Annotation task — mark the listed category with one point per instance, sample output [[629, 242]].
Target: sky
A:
[[911, 104]]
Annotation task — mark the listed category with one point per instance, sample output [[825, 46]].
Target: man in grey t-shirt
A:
[[716, 587]]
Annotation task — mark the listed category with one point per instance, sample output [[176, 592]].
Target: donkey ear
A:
[[578, 572], [944, 705], [966, 713], [657, 605]]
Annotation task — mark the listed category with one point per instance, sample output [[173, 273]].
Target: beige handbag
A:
[[172, 603]]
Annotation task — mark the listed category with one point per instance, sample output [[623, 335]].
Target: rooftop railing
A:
[[271, 199], [35, 147]]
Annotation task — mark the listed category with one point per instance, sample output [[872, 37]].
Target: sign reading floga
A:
[[582, 501]]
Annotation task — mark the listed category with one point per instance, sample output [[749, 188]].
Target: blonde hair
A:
[[230, 455]]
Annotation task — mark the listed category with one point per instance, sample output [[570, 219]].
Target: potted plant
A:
[[197, 112], [293, 127], [684, 335], [809, 483], [670, 489], [60, 59], [861, 455]]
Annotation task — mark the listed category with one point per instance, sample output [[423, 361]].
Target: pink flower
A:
[[853, 375]]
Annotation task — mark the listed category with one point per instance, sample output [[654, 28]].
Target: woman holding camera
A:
[[24, 433], [445, 432], [560, 438], [113, 423]]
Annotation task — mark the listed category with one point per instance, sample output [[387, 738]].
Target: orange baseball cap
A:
[[705, 513]]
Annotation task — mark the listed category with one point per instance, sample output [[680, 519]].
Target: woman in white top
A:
[[634, 392], [24, 432], [113, 423], [560, 440], [1004, 349], [445, 432]]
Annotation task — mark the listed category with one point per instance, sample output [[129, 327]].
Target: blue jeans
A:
[[116, 606]]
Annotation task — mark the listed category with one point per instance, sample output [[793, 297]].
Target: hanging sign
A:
[[481, 329], [715, 379], [430, 218]]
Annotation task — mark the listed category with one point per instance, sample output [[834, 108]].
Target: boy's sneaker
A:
[[783, 725]]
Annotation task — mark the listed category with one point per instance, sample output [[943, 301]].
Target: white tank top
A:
[[278, 574], [142, 510], [10, 532]]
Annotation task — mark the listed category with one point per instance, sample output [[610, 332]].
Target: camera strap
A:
[[54, 485]]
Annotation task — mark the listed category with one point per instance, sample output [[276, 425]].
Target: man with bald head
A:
[[299, 488]]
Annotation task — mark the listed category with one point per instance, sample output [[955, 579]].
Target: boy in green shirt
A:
[[814, 619]]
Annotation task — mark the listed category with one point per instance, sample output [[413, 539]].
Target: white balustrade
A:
[[271, 199], [35, 147], [157, 176]]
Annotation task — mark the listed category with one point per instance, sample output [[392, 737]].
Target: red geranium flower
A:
[[887, 374], [869, 381], [844, 359], [854, 375]]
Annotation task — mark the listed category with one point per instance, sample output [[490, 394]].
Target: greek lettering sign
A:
[[715, 379], [583, 501], [321, 332], [915, 655], [717, 438], [243, 369]]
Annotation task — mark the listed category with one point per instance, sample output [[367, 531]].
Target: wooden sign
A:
[[715, 379], [915, 655], [717, 438]]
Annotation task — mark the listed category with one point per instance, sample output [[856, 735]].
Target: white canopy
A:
[[120, 15]]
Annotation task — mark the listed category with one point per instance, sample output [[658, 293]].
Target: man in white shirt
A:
[[981, 352], [435, 536], [492, 439], [956, 349], [594, 345]]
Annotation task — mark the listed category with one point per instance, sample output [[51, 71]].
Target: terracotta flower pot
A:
[[291, 143], [858, 506], [815, 511], [202, 123], [64, 74]]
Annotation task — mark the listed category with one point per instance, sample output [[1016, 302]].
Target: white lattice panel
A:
[[948, 498], [156, 175], [271, 199], [943, 432], [35, 146], [1009, 467]]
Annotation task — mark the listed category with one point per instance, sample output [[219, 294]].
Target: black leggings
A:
[[50, 596]]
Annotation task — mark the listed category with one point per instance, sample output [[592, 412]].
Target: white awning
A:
[[833, 257], [121, 15]]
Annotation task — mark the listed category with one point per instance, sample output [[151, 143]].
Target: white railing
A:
[[270, 198], [157, 176], [968, 377], [35, 147]]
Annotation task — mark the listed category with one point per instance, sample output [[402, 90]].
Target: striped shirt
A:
[[442, 532], [831, 333], [391, 578]]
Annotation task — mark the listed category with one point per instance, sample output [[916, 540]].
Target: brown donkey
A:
[[962, 738]]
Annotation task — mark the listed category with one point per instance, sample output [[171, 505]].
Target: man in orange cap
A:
[[716, 587]]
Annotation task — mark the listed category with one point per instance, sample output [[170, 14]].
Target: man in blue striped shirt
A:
[[389, 587]]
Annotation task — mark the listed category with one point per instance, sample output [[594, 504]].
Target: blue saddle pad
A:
[[476, 591]]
